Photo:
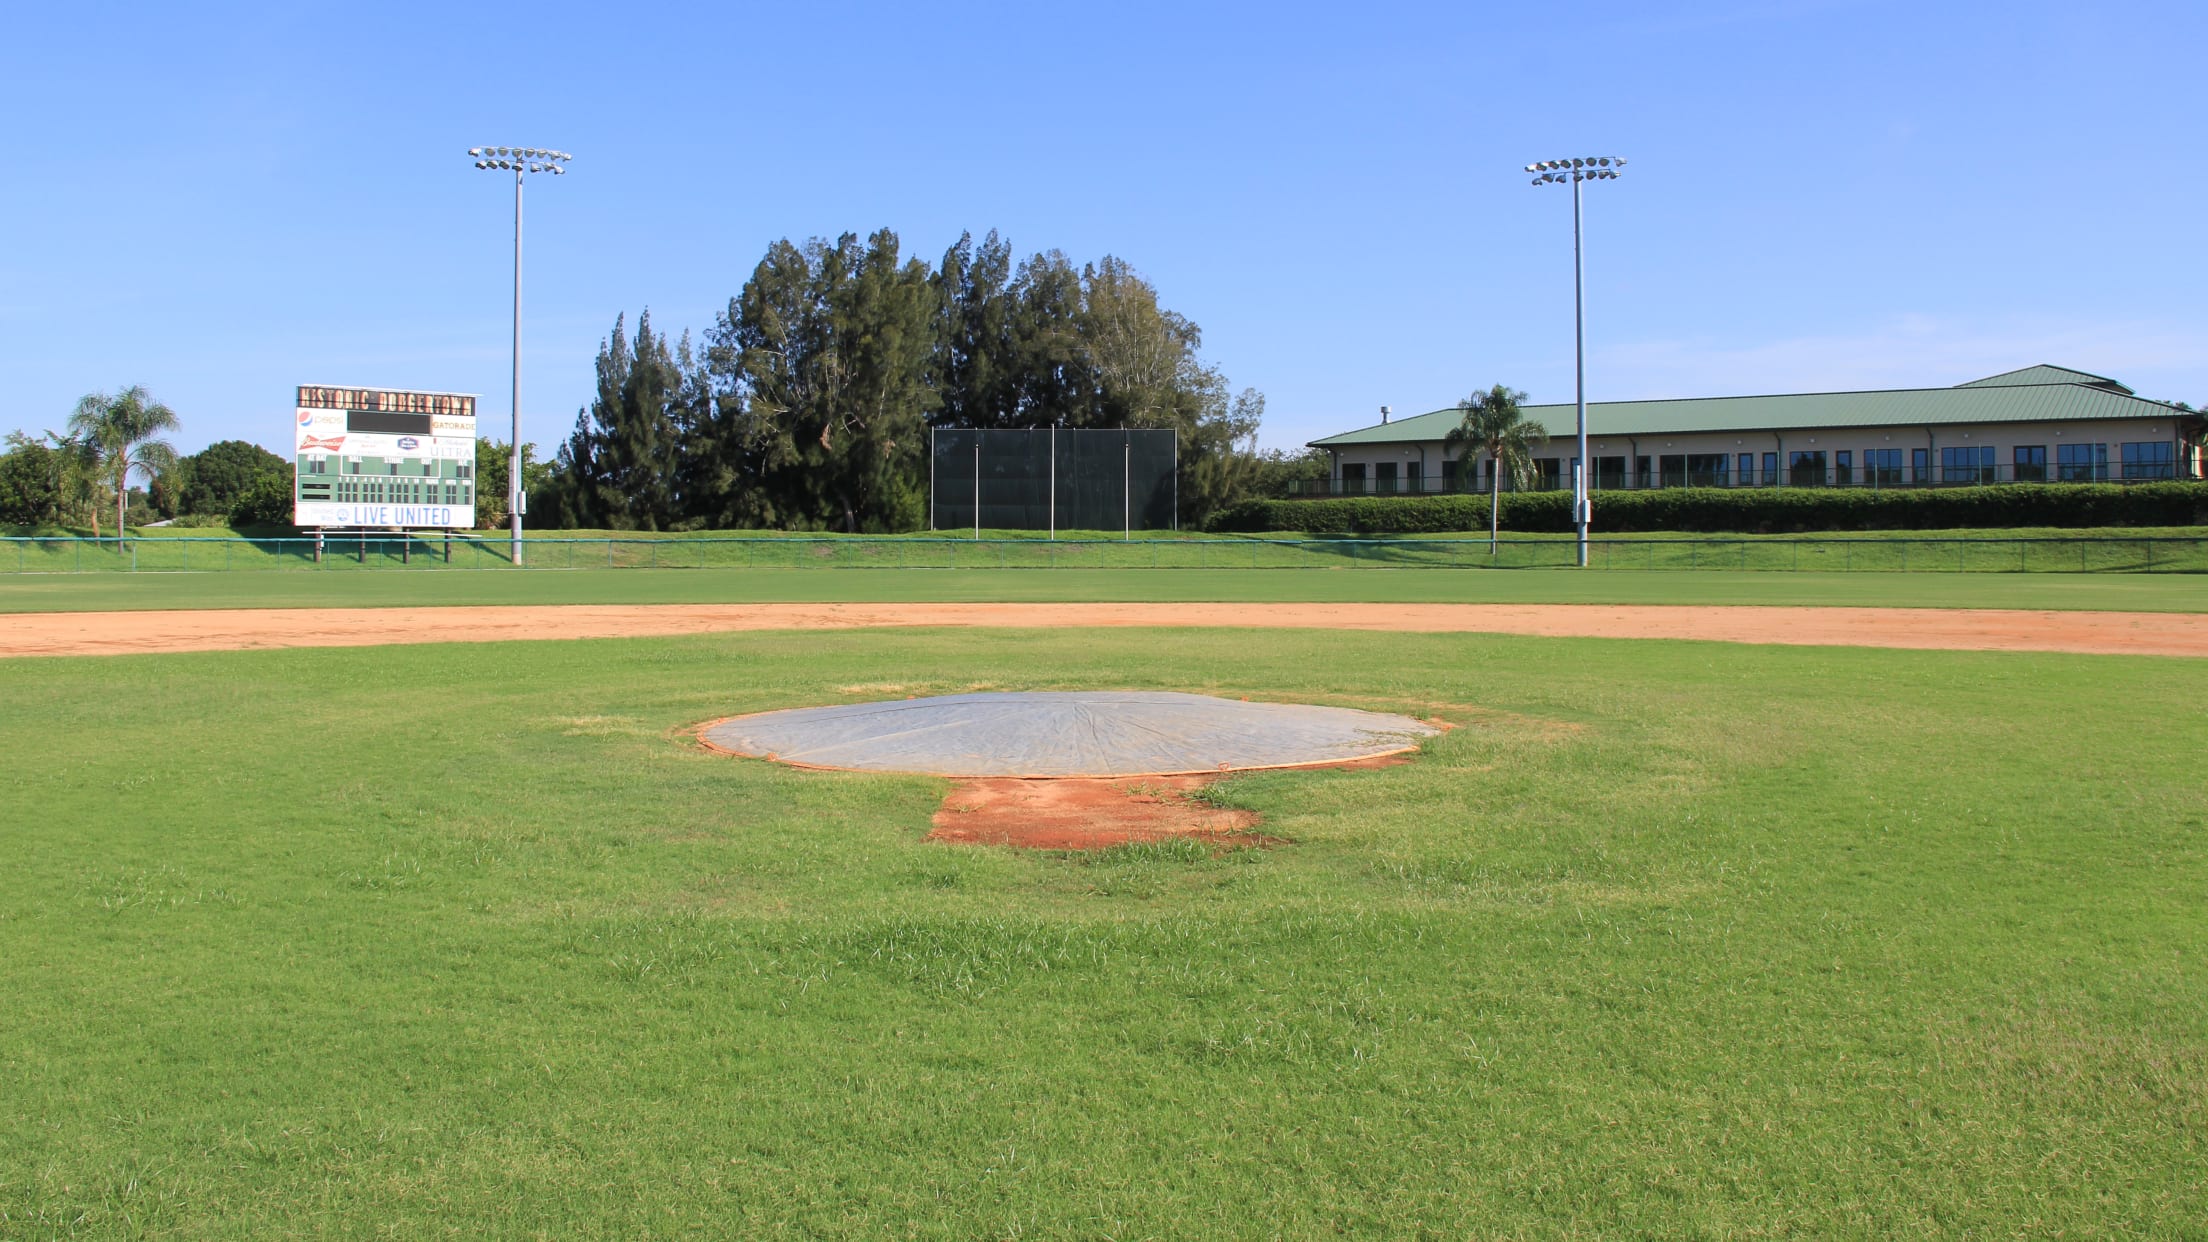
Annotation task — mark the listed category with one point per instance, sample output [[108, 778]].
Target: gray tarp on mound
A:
[[1080, 733]]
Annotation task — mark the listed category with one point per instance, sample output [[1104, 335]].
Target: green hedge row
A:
[[1776, 510]]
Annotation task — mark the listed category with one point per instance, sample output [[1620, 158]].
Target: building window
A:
[[1971, 463], [2081, 463], [1452, 474], [1547, 471], [1705, 470], [1805, 468], [1920, 465], [1641, 472], [1384, 477], [2031, 463], [2152, 459], [1610, 472], [1770, 469], [1843, 468], [1353, 476], [1882, 467], [1747, 470]]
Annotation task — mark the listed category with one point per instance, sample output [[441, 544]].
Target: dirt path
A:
[[119, 633]]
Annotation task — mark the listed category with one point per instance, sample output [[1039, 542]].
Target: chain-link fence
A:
[[428, 552]]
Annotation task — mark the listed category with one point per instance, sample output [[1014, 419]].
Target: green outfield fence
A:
[[425, 552]]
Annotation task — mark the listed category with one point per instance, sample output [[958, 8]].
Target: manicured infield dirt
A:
[[2100, 633]]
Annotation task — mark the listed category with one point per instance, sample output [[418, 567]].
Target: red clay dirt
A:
[[119, 633], [1088, 813]]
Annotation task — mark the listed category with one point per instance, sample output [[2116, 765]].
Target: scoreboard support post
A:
[[317, 545]]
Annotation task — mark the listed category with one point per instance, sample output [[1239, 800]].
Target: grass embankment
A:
[[2177, 549], [107, 592], [1670, 938]]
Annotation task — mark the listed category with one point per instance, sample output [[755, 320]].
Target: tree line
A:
[[806, 405], [808, 402], [79, 476]]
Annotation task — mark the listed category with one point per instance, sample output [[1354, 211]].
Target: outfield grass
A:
[[1670, 938], [105, 592]]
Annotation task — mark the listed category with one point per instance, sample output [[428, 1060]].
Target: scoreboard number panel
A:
[[384, 458]]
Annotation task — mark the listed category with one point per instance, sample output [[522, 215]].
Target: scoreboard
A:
[[384, 457]]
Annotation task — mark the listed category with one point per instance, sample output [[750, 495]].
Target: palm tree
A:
[[1493, 424], [125, 428]]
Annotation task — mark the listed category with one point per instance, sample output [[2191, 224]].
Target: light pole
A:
[[521, 161], [1578, 172]]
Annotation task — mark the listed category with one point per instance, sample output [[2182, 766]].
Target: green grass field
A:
[[1670, 938], [2167, 550], [102, 592]]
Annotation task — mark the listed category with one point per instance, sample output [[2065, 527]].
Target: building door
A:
[[1671, 470], [1353, 477], [1882, 467], [1805, 468], [1610, 473], [1384, 477]]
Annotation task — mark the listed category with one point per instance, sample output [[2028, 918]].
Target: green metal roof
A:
[[2044, 374], [1982, 401]]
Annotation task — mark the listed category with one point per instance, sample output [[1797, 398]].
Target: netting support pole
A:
[[1127, 490], [977, 486], [1054, 483]]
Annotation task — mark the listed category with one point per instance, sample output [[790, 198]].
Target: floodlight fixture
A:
[[1576, 172], [520, 161]]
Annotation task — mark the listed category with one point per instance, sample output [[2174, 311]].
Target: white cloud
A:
[[1910, 351]]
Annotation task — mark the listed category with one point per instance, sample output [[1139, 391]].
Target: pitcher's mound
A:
[[1092, 733]]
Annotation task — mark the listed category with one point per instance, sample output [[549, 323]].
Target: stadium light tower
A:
[[521, 161], [1577, 173]]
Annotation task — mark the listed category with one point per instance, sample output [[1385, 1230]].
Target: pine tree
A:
[[975, 365], [619, 469]]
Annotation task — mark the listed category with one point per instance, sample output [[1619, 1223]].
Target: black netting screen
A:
[[1098, 480]]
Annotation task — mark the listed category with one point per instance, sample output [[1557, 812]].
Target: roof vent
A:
[[1385, 410]]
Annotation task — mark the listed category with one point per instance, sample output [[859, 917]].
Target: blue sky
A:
[[221, 202]]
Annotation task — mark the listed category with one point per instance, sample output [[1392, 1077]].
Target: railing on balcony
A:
[[1881, 477]]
